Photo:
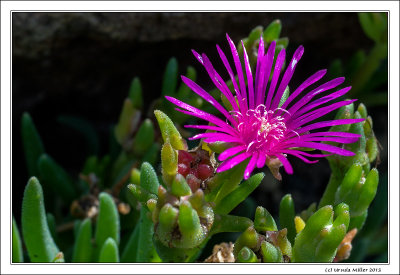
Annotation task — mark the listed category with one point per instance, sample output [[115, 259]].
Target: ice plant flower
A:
[[258, 127]]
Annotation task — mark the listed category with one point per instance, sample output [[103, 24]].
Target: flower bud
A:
[[180, 187], [246, 255], [263, 221], [270, 253]]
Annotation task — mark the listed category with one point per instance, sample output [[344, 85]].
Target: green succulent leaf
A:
[[32, 143], [368, 191], [35, 230], [272, 31], [109, 252], [184, 90], [130, 251], [284, 41], [246, 255], [144, 138], [374, 25], [145, 251], [177, 255], [287, 215], [148, 178], [180, 187], [320, 238], [248, 238], [107, 221], [56, 178], [263, 221], [136, 94], [52, 225], [169, 131], [228, 203], [284, 96], [140, 193], [358, 221], [189, 226], [83, 244], [170, 78], [17, 252], [224, 183], [127, 123], [169, 162], [230, 223], [152, 155], [270, 253]]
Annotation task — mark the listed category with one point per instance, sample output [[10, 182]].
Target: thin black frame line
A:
[[388, 263]]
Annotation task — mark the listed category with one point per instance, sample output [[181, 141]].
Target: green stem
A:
[[328, 198]]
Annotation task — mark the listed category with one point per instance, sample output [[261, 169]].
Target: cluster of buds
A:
[[270, 33], [135, 135], [315, 239], [181, 216], [353, 181], [365, 149], [195, 167], [263, 242]]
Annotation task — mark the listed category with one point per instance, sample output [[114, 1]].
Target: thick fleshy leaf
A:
[[17, 253], [232, 200], [108, 225], [83, 243], [32, 143], [37, 237], [169, 131], [109, 252], [56, 178], [287, 215]]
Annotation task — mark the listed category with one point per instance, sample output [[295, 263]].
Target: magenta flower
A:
[[258, 128]]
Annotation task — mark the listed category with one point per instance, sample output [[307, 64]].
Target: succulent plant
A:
[[155, 198]]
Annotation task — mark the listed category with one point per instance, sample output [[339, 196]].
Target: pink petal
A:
[[324, 124], [249, 78], [291, 151], [228, 130], [230, 152], [238, 66], [323, 147], [318, 113], [286, 164], [338, 134], [287, 76], [250, 167], [217, 79], [261, 160], [198, 90], [260, 57], [320, 101], [196, 112], [277, 71], [242, 106], [324, 87], [265, 71], [309, 81], [213, 135], [228, 164], [333, 139]]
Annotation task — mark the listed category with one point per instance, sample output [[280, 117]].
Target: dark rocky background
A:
[[82, 64]]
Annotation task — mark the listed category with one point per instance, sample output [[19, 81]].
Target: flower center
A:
[[261, 129]]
